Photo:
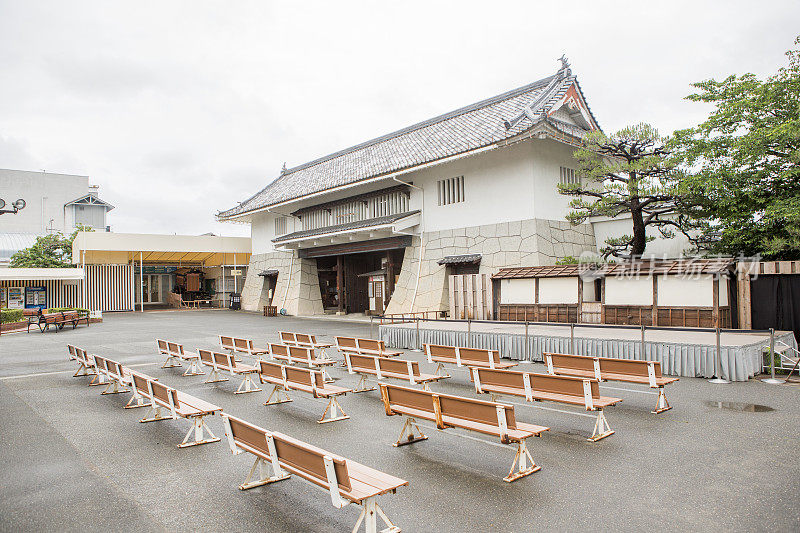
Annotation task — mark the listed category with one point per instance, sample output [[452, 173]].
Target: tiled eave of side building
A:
[[504, 119]]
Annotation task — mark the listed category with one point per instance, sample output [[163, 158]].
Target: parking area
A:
[[75, 460]]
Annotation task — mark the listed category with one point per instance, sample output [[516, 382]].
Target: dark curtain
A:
[[776, 302]]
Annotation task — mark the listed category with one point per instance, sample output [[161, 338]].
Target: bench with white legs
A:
[[304, 340], [364, 347], [113, 375], [286, 378], [177, 405], [236, 345], [386, 367], [301, 355], [611, 369], [175, 354], [278, 456], [448, 411], [85, 364], [463, 357], [225, 362], [551, 388]]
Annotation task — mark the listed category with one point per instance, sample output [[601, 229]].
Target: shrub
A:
[[10, 315]]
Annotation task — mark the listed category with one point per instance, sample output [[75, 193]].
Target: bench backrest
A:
[[162, 346], [72, 350], [270, 370], [349, 343], [570, 362], [140, 383], [304, 376], [164, 395], [304, 338], [372, 345], [206, 356], [225, 360], [362, 362], [296, 456], [226, 342], [175, 348], [279, 349], [49, 318], [301, 352], [243, 345], [476, 410], [629, 367], [398, 366], [100, 363], [566, 385], [287, 337], [114, 368], [478, 355], [69, 315], [406, 397], [441, 352]]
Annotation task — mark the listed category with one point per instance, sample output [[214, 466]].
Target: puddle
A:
[[740, 406]]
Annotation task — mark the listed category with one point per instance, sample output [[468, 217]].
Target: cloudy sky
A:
[[180, 109]]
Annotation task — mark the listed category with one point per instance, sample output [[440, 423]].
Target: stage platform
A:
[[682, 352]]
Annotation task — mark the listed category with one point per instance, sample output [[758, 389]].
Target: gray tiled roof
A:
[[475, 126], [358, 224]]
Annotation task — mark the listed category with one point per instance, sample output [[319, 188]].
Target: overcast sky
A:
[[180, 109]]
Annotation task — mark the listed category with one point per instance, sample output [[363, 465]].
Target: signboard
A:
[[156, 269], [236, 272], [3, 297], [16, 300], [35, 297]]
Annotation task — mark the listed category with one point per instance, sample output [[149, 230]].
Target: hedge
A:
[[10, 315]]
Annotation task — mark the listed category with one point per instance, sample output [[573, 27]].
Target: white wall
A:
[[262, 231], [517, 291], [629, 290], [558, 290], [661, 248], [45, 195], [694, 291]]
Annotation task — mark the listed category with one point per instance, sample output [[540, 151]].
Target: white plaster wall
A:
[[661, 248], [262, 230], [629, 290], [45, 195], [558, 290], [694, 291], [517, 291]]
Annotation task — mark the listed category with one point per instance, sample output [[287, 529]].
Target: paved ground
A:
[[74, 460]]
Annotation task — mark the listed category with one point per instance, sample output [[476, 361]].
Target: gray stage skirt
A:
[[739, 363]]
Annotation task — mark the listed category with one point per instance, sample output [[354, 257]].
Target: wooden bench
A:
[[239, 345], [364, 347], [447, 411], [226, 362], [386, 367], [462, 356], [85, 364], [175, 354], [112, 374], [178, 405], [305, 340], [545, 387], [286, 378], [57, 320], [610, 369], [303, 356], [277, 456]]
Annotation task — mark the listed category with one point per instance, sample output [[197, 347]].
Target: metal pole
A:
[[469, 332], [527, 349], [571, 338], [718, 365], [772, 380], [371, 335], [641, 349], [417, 349]]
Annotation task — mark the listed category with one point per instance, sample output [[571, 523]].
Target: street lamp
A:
[[16, 206]]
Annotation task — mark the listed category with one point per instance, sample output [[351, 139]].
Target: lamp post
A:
[[15, 207]]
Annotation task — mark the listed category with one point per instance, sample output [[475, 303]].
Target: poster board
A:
[[3, 297], [35, 297], [16, 298]]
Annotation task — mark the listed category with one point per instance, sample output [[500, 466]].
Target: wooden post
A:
[[340, 283], [580, 301], [603, 300], [389, 278], [654, 319]]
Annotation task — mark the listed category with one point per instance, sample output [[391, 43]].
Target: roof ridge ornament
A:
[[565, 71], [283, 168], [537, 106]]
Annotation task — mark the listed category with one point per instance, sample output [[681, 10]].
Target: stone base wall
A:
[[532, 242], [300, 290]]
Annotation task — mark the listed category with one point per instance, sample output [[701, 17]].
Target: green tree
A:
[[743, 160], [629, 173], [49, 251]]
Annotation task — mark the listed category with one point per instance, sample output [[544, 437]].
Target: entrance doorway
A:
[[150, 289]]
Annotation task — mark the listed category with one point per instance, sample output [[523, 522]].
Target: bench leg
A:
[[331, 408], [82, 371], [139, 401], [263, 477], [440, 371], [407, 434], [96, 379], [170, 362], [522, 457], [214, 376], [247, 385], [154, 414], [194, 368], [361, 386], [326, 378], [601, 427], [662, 404], [113, 388], [370, 511], [277, 392], [198, 425]]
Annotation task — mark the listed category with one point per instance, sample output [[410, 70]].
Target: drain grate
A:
[[741, 406]]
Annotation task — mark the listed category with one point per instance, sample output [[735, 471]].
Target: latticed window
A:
[[450, 190], [280, 226], [568, 177]]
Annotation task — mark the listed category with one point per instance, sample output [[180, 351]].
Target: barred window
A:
[[568, 177], [450, 191], [280, 225]]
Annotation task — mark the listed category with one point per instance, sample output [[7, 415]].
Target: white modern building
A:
[[378, 227], [54, 203]]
